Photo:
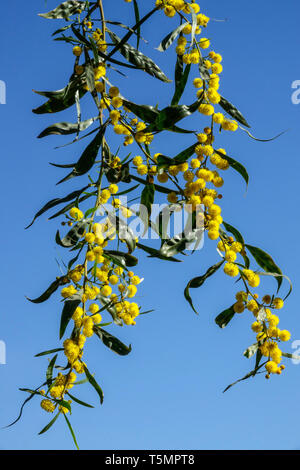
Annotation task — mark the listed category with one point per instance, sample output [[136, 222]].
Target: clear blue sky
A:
[[167, 394]]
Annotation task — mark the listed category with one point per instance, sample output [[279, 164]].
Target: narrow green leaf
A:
[[137, 19], [181, 78], [233, 111], [73, 236], [93, 382], [69, 308], [236, 166], [71, 431], [197, 282], [139, 60], [170, 38], [265, 261], [66, 128], [225, 317], [80, 402], [112, 342], [49, 372], [51, 289], [88, 158], [45, 429], [247, 376], [153, 253], [55, 202], [64, 10], [251, 350], [45, 353], [61, 99]]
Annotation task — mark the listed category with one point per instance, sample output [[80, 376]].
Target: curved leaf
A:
[[69, 308], [181, 78], [112, 342], [66, 128], [94, 384], [265, 261], [55, 202], [138, 59], [236, 166], [233, 111], [172, 114], [88, 158], [45, 429], [73, 236], [60, 281], [198, 282], [170, 38], [61, 99], [225, 317], [64, 10]]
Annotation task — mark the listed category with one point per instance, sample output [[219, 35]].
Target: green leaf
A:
[[236, 166], [194, 25], [88, 158], [203, 70], [166, 162], [112, 342], [49, 372], [132, 31], [262, 140], [247, 376], [145, 112], [137, 19], [73, 236], [45, 429], [66, 128], [69, 308], [172, 114], [139, 60], [265, 261], [162, 220], [197, 282], [237, 235], [61, 99], [225, 317], [71, 431], [51, 351], [61, 30], [170, 38], [147, 199], [33, 393], [156, 253], [64, 10], [291, 356], [93, 382], [79, 401], [277, 276], [124, 259], [51, 289], [124, 231], [251, 350], [239, 238], [233, 111], [110, 307], [181, 78], [69, 206], [54, 202], [180, 242], [158, 187]]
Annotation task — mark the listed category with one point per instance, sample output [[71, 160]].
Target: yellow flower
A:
[[77, 51], [48, 405], [76, 213]]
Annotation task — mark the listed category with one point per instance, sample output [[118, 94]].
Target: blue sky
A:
[[167, 394]]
